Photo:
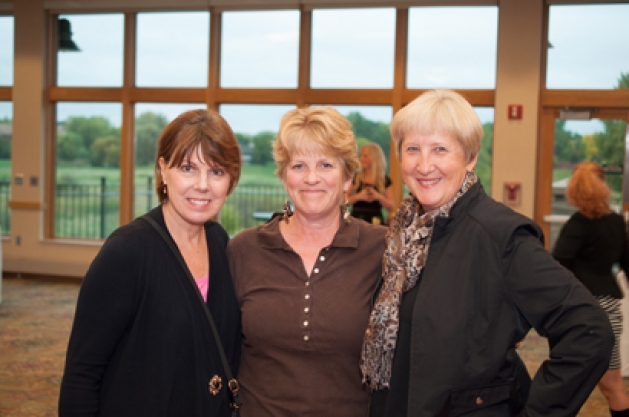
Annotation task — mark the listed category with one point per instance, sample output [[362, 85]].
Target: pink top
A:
[[203, 283]]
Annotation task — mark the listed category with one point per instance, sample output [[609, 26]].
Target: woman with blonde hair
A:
[[371, 190], [589, 244], [306, 286], [464, 280]]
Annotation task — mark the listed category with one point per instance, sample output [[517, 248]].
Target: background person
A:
[[589, 244], [465, 278], [305, 280], [371, 190], [141, 344]]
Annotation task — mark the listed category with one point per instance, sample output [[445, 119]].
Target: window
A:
[[259, 192], [588, 46], [6, 120], [98, 60], [87, 180], [353, 48], [6, 50], [6, 129], [452, 47], [173, 49], [260, 49], [483, 164]]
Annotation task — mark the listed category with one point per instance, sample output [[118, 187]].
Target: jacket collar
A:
[[467, 200]]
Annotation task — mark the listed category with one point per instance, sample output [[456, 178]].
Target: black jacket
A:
[[141, 344], [487, 281], [590, 247]]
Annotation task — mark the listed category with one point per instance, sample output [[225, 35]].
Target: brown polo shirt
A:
[[303, 334]]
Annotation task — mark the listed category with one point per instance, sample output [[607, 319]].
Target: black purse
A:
[[232, 384]]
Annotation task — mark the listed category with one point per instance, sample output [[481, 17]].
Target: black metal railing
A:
[[250, 205], [88, 211], [91, 211]]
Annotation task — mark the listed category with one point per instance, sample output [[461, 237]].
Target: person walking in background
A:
[[591, 242], [465, 278], [305, 280], [371, 190], [141, 344]]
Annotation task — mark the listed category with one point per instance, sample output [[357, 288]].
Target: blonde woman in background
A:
[[371, 190]]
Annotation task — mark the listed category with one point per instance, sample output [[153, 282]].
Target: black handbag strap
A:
[[232, 384]]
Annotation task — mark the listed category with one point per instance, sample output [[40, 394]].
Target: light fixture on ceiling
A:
[[64, 37]]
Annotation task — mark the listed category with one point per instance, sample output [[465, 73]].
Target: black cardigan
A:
[[590, 247], [141, 344]]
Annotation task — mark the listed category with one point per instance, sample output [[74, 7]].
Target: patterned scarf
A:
[[407, 243]]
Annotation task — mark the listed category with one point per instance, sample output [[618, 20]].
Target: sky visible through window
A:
[[589, 50]]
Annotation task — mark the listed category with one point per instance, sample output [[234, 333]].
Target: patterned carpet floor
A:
[[35, 319]]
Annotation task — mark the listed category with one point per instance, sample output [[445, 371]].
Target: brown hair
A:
[[315, 130], [588, 191], [194, 129]]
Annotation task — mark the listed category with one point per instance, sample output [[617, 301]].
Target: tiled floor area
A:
[[35, 320]]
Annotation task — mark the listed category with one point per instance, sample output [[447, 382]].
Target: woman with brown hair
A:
[[141, 342], [591, 242]]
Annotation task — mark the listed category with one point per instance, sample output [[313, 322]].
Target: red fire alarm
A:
[[515, 111], [512, 193]]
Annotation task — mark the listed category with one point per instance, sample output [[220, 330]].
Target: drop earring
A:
[[345, 210], [165, 190], [287, 211]]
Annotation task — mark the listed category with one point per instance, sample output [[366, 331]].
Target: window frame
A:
[[213, 95]]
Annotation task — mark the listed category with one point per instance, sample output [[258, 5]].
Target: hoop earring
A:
[[287, 211]]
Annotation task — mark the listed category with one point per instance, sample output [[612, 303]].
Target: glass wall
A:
[[97, 59], [588, 47], [6, 133], [353, 48], [172, 49], [6, 50], [483, 164], [256, 82], [87, 176], [260, 49], [6, 120], [452, 47], [259, 192]]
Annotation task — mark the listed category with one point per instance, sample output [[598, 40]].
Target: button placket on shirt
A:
[[305, 323]]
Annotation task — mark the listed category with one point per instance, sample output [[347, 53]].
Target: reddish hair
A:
[[588, 191]]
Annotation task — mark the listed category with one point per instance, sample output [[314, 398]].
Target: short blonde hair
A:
[[315, 130], [440, 111]]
